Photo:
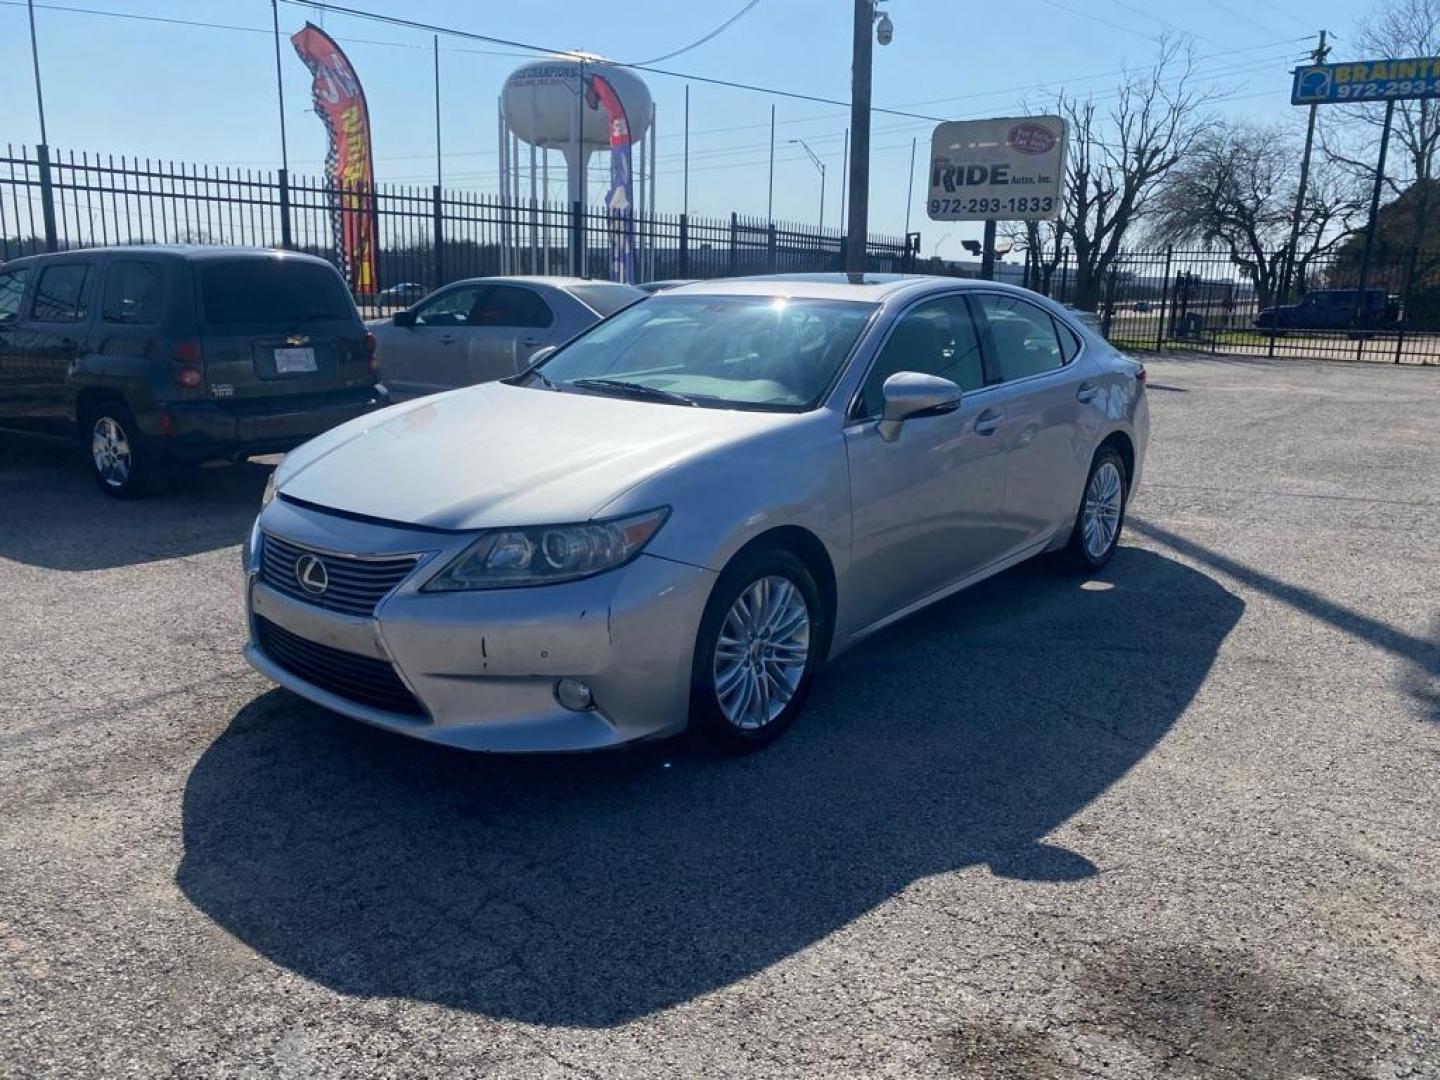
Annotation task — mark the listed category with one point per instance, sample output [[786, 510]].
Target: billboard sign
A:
[[1008, 169], [1366, 80]]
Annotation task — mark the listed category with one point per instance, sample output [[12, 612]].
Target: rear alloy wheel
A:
[[117, 455], [759, 645], [1102, 512]]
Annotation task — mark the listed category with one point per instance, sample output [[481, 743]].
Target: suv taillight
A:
[[188, 358]]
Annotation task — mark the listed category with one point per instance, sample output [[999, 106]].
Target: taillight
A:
[[189, 376], [372, 360], [186, 351]]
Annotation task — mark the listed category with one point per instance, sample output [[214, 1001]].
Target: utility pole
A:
[[844, 175], [910, 189], [35, 59], [857, 222], [685, 197], [1321, 51], [435, 38], [770, 201], [279, 89]]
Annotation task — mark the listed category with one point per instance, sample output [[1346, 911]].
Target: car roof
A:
[[188, 252], [555, 281], [868, 288]]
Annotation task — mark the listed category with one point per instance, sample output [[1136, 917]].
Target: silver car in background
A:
[[480, 329], [678, 516]]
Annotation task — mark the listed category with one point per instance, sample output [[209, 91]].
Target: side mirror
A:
[[403, 318], [908, 395], [540, 355]]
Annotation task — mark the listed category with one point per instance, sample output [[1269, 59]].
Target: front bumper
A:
[[483, 665], [195, 431]]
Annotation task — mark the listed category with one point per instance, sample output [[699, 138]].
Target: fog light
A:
[[574, 695]]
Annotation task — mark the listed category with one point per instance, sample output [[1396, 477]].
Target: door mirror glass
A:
[[404, 318], [539, 356], [909, 394]]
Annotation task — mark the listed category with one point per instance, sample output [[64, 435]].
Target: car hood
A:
[[496, 455]]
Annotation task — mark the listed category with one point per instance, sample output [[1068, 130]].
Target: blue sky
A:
[[198, 94]]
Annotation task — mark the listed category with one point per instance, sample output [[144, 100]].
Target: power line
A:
[[713, 33]]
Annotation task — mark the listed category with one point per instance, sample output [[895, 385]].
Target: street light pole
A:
[[35, 60], [819, 165], [857, 224]]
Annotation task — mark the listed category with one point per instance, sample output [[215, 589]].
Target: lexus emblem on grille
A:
[[311, 574]]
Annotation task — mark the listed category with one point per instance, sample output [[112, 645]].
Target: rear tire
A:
[[760, 642], [1102, 512], [120, 461]]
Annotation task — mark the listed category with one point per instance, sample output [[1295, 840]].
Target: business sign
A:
[[1366, 80], [349, 164], [1010, 169]]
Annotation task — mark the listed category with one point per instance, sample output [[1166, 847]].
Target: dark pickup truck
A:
[[1334, 309], [161, 355]]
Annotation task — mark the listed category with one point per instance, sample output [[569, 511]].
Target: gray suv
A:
[[158, 356]]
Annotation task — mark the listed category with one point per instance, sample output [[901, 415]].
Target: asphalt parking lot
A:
[[1180, 820]]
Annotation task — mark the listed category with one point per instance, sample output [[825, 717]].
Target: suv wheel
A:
[[117, 452]]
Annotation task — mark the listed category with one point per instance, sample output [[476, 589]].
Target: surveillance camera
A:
[[884, 29]]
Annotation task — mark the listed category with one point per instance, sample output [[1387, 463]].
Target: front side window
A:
[[1025, 337], [510, 305], [750, 352], [449, 309], [12, 290], [134, 293], [60, 294], [937, 337]]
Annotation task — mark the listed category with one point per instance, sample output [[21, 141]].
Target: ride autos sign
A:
[[1010, 169]]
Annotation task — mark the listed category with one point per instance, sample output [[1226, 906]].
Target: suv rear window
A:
[[248, 291], [605, 300]]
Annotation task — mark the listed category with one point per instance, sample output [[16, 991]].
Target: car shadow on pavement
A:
[[591, 890], [55, 517]]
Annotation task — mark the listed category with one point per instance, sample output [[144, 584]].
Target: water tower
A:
[[551, 105]]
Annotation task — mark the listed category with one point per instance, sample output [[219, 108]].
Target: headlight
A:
[[545, 554], [270, 486]]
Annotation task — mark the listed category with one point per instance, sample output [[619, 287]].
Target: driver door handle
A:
[[1087, 392], [988, 422], [531, 342], [448, 339]]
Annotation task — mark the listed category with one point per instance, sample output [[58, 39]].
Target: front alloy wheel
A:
[[760, 641], [761, 652]]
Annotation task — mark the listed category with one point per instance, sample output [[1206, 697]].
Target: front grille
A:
[[356, 678], [353, 585]]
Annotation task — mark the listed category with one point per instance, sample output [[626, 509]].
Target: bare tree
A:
[[1120, 150], [1236, 191]]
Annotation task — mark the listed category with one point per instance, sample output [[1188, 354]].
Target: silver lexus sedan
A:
[[676, 517]]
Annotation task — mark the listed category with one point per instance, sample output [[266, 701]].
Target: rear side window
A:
[[12, 290], [1026, 340], [277, 291], [1069, 341], [510, 305], [60, 294], [603, 299], [134, 293]]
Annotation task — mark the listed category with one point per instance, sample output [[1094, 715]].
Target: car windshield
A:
[[269, 290], [606, 299], [748, 352]]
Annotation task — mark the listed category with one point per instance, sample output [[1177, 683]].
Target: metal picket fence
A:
[[52, 201]]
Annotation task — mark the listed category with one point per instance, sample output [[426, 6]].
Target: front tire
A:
[[119, 461], [1102, 512], [761, 640]]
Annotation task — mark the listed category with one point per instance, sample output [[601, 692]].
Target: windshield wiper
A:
[[637, 389]]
